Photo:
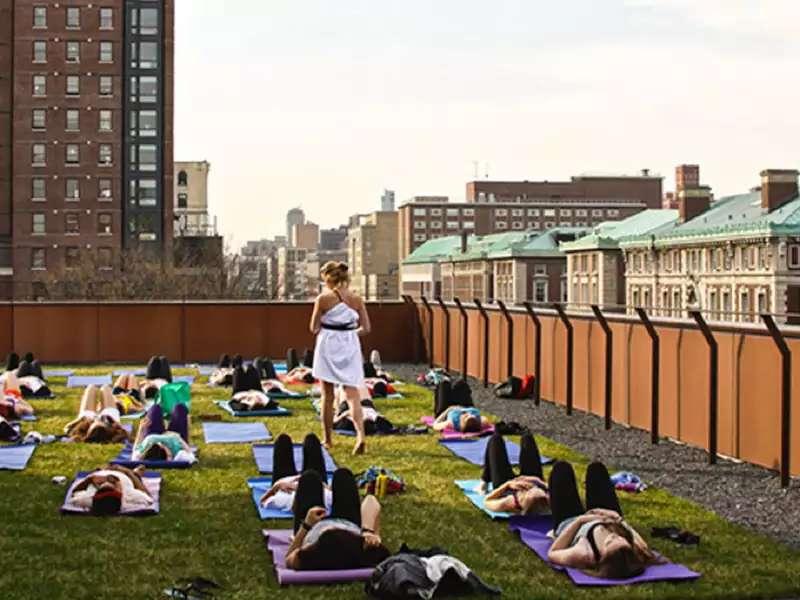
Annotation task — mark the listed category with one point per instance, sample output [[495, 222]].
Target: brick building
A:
[[497, 207], [86, 128], [372, 256]]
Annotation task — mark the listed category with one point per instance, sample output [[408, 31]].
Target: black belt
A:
[[346, 327]]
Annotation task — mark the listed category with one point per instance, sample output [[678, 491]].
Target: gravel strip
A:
[[742, 493]]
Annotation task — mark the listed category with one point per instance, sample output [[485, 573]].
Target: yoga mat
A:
[[152, 481], [134, 416], [258, 486], [533, 531], [235, 433], [57, 372], [474, 450], [15, 458], [274, 412], [183, 379], [262, 453], [206, 370], [469, 487], [451, 434], [83, 380], [139, 372], [124, 459], [287, 395], [28, 418], [278, 540]]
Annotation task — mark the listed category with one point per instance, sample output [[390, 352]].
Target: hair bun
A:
[[343, 267]]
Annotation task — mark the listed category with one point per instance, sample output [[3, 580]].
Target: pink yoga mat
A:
[[451, 434], [278, 541]]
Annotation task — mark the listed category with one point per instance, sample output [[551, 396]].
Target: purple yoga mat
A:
[[278, 541], [533, 531], [152, 481], [452, 434]]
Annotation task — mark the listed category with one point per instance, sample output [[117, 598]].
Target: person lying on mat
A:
[[128, 394], [300, 375], [156, 442], [12, 405], [466, 419], [248, 392], [31, 379], [598, 540], [98, 418], [373, 368], [285, 475], [524, 494], [222, 376], [374, 422], [111, 489], [378, 388], [157, 375], [346, 537]]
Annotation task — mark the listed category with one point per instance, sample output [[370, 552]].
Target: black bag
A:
[[509, 388]]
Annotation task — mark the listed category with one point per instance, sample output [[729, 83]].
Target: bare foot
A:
[[327, 444], [359, 448]]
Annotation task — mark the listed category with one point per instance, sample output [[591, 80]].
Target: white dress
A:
[[337, 356]]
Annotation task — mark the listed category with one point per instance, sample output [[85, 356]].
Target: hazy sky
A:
[[322, 104]]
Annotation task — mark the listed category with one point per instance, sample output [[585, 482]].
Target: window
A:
[[419, 224], [565, 212], [143, 227], [106, 85], [793, 256], [104, 155], [144, 21], [452, 212], [144, 55], [144, 89], [40, 17], [39, 119], [500, 225], [73, 120], [105, 120], [468, 212], [73, 190], [418, 212], [436, 225], [38, 262], [39, 85], [183, 200], [419, 237], [468, 225], [148, 192], [581, 212], [540, 290], [73, 85], [533, 212], [596, 212], [549, 212], [106, 18], [500, 212], [146, 154], [104, 259], [72, 154], [533, 224], [147, 125], [39, 155], [565, 224], [38, 223], [517, 212], [73, 17], [549, 225], [106, 52], [517, 225], [612, 212], [73, 52], [452, 224], [104, 221], [104, 189], [39, 52], [38, 189], [72, 257], [540, 270], [72, 223]]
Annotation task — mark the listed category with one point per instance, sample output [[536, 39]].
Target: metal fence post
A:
[[430, 330], [464, 337], [485, 342], [713, 362], [446, 332], [413, 307], [568, 325], [537, 347], [655, 373], [510, 330], [786, 396], [601, 318]]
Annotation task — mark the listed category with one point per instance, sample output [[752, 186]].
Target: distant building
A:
[[372, 256], [734, 258], [333, 239], [295, 216], [387, 201], [191, 200], [258, 266], [305, 235], [298, 274]]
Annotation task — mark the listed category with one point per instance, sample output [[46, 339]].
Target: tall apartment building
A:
[[298, 274], [294, 216], [305, 235], [497, 207], [387, 201], [86, 128], [372, 256]]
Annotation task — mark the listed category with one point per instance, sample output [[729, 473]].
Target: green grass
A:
[[208, 525]]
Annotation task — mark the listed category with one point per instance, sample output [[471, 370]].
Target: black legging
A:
[[308, 358], [224, 361], [346, 502], [246, 379], [12, 361], [30, 369], [158, 368], [497, 467], [450, 394], [291, 359], [237, 361], [380, 425], [265, 368], [283, 457], [565, 503]]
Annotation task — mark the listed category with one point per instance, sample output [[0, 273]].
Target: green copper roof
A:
[[607, 235], [433, 250], [730, 217]]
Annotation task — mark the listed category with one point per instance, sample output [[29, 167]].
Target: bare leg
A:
[[12, 383], [326, 414], [371, 514], [121, 382], [107, 398], [89, 400], [357, 417], [133, 383]]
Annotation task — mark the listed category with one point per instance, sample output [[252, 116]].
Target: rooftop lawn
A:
[[208, 525]]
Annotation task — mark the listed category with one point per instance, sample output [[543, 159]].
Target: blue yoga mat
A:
[[235, 433], [124, 459], [469, 487], [258, 486], [183, 379], [263, 456], [28, 418], [206, 370], [274, 412], [83, 380], [57, 372], [474, 450], [15, 458], [139, 372]]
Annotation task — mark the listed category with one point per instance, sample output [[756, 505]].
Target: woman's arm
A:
[[143, 424], [499, 492], [579, 556], [564, 540], [316, 316], [313, 517], [365, 326]]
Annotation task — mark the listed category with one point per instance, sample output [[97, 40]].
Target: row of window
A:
[[709, 259], [72, 258], [72, 120], [73, 52], [452, 225], [72, 17], [520, 225], [450, 212], [72, 189], [551, 212], [72, 223], [143, 89], [72, 155]]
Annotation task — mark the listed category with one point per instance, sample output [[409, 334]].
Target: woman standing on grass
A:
[[339, 318]]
